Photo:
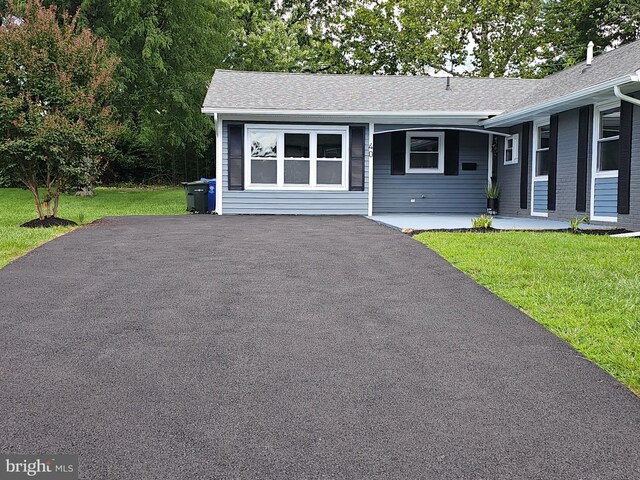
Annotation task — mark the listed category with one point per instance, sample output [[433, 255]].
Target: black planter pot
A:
[[492, 206]]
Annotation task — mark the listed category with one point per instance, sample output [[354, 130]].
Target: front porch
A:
[[453, 221]]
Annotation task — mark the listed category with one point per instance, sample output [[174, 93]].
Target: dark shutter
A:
[[624, 164], [236, 157], [525, 152], [451, 152], [553, 162], [584, 123], [356, 158], [398, 153]]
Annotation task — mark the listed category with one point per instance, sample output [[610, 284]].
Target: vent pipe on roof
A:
[[589, 54], [448, 83]]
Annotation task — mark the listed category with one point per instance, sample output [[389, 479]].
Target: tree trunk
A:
[[56, 197], [36, 196]]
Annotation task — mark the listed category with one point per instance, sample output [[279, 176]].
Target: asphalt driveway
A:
[[290, 347]]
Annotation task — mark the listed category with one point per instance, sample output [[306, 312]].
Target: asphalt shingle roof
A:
[[240, 90], [362, 93], [608, 66]]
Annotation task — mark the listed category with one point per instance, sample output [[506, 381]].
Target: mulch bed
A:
[[613, 231], [49, 222]]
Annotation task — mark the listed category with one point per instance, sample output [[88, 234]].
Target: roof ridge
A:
[[365, 75]]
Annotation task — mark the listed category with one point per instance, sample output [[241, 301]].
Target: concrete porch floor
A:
[[451, 221]]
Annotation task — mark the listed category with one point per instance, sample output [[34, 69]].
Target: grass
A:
[[17, 207], [583, 288]]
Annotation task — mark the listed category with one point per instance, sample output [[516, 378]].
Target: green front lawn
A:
[[17, 207], [585, 289]]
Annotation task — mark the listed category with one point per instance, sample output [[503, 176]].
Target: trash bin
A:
[[212, 193], [197, 196]]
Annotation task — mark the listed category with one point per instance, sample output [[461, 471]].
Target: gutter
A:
[[556, 102]]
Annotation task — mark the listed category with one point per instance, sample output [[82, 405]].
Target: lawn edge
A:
[[633, 390]]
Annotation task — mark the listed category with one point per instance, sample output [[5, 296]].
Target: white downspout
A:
[[627, 98]]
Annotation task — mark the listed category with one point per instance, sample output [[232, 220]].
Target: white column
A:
[[370, 209], [218, 126]]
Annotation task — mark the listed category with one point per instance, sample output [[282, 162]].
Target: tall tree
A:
[[286, 35], [169, 51], [498, 37], [55, 83], [571, 24]]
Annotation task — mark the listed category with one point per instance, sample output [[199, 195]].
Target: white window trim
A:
[[440, 137], [515, 138], [312, 130], [534, 167], [597, 110]]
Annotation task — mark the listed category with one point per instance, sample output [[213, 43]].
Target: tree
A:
[[571, 24], [169, 50], [55, 83], [286, 35], [499, 37]]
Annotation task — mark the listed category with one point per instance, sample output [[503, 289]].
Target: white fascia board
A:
[[555, 104], [340, 113]]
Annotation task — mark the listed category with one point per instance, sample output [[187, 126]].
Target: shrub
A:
[[574, 222], [55, 83], [483, 222]]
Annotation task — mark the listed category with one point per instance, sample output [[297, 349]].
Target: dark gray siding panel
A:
[[509, 180], [606, 197], [567, 165], [540, 193], [566, 179], [432, 192], [293, 202]]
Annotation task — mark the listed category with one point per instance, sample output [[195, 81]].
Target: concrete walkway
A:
[[452, 221], [290, 347]]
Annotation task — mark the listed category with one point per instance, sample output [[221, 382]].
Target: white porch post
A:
[[370, 209], [218, 130]]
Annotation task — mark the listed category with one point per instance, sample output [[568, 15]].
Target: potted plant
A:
[[493, 193]]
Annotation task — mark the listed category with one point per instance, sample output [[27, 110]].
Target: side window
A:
[[511, 149], [542, 151], [609, 140]]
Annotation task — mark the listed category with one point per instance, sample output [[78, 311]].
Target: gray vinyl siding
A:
[[433, 193], [509, 180], [540, 195], [632, 220], [605, 199], [293, 202]]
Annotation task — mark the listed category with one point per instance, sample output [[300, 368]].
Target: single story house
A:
[[561, 146]]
